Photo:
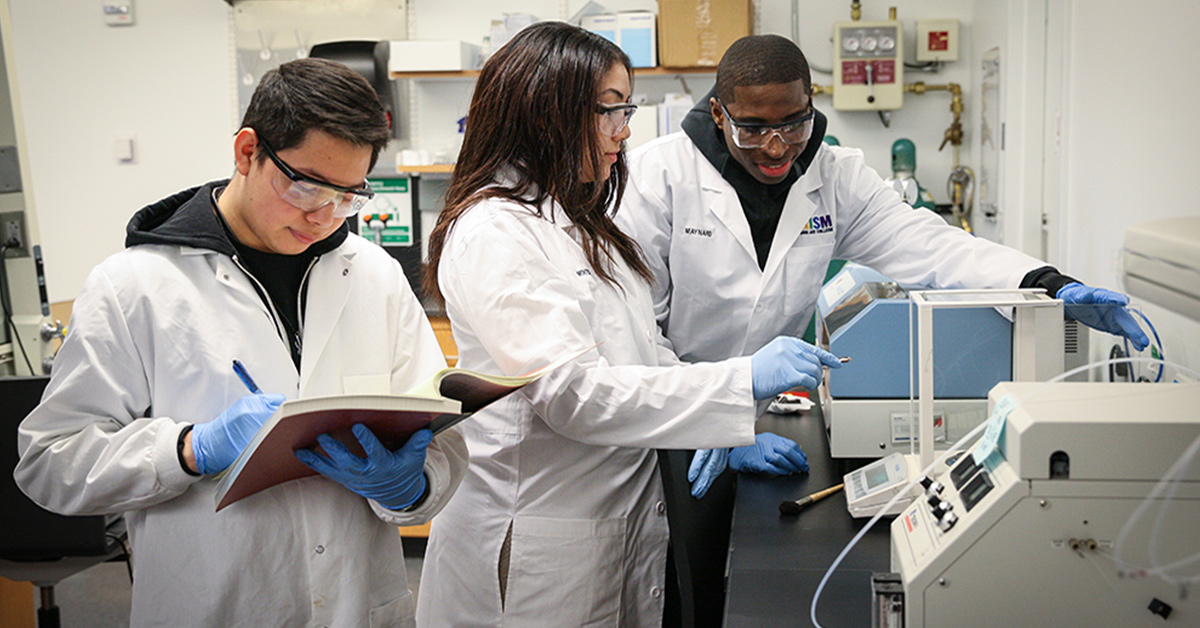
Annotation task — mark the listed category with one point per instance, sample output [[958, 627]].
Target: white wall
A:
[[1130, 139], [166, 79]]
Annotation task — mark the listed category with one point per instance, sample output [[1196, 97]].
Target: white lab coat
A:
[[151, 341], [710, 296], [566, 462]]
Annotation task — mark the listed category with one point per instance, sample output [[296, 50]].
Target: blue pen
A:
[[245, 377]]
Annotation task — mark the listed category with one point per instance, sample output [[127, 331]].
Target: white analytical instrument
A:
[[869, 405], [871, 487], [1067, 522], [1036, 355]]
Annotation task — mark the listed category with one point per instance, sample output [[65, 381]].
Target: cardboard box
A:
[[636, 36], [432, 56], [695, 33]]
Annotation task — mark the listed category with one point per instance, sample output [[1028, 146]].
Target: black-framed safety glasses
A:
[[752, 135], [309, 194]]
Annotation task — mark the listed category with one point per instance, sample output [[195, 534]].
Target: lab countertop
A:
[[776, 562]]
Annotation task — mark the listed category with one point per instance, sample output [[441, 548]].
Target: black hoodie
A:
[[190, 218], [762, 203]]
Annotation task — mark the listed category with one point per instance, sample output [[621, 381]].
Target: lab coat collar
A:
[[550, 209], [330, 280], [797, 211], [720, 198]]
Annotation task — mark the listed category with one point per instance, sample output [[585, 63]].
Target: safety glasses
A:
[[309, 195], [752, 135], [614, 118]]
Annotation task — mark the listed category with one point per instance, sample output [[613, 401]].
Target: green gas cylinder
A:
[[904, 169]]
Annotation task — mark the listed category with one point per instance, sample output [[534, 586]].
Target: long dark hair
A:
[[533, 121]]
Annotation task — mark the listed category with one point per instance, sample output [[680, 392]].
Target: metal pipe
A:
[[796, 22]]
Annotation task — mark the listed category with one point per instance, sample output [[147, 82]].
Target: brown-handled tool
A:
[[794, 508]]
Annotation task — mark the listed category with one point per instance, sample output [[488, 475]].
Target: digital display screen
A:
[[976, 489], [875, 476]]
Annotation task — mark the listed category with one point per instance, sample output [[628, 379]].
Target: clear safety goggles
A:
[[614, 118], [309, 195], [751, 135]]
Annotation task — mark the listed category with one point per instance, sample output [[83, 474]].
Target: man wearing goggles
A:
[[739, 216], [145, 408], [755, 135], [310, 194]]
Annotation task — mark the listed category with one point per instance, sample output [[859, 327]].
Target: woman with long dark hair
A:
[[560, 519]]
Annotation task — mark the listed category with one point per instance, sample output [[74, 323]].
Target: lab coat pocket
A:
[[399, 613], [803, 273], [565, 572]]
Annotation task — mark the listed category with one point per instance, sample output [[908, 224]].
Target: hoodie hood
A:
[[707, 136], [190, 218], [186, 218]]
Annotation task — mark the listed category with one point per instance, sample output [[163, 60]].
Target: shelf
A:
[[471, 74], [428, 169], [459, 74]]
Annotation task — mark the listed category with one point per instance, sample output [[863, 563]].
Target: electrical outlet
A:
[[12, 234]]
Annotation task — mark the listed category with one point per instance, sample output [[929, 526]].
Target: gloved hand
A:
[[395, 479], [1098, 308], [786, 363], [706, 465], [770, 453], [218, 443]]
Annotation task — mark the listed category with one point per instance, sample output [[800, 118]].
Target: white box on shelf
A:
[[643, 126], [672, 112], [638, 37], [508, 26], [432, 56], [603, 24]]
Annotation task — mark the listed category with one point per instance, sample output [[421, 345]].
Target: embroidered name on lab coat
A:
[[707, 233], [584, 272], [818, 224]]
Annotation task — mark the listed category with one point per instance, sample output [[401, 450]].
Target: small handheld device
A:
[[868, 489]]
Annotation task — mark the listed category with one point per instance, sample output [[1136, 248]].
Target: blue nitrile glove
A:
[[1078, 301], [395, 479], [770, 453], [218, 443], [706, 465], [786, 363]]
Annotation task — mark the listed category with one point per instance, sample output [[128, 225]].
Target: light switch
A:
[[125, 149], [118, 12]]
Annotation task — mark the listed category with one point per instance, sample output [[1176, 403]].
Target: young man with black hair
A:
[[739, 216], [144, 407]]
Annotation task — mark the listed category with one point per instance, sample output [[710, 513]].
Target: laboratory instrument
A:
[[1161, 262], [1066, 523], [868, 65], [872, 486], [868, 404]]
